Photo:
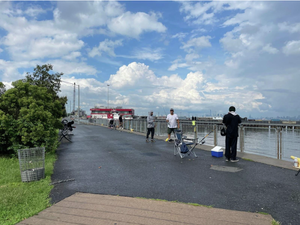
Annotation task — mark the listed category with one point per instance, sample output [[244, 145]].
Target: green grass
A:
[[263, 213], [274, 222], [163, 200], [22, 200], [248, 159]]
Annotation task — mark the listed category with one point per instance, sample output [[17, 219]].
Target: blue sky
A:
[[195, 57]]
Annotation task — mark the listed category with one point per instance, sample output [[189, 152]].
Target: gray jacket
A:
[[150, 121]]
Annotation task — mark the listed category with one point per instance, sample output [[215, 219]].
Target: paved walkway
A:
[[111, 164], [89, 209]]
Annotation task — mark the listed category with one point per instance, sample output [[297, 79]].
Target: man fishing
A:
[[172, 125], [150, 126], [231, 121]]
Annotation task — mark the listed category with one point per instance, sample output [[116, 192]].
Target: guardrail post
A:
[[195, 134], [140, 124], [215, 135], [157, 128], [279, 142], [242, 138]]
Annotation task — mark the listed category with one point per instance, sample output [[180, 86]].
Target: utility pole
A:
[[74, 98], [78, 104]]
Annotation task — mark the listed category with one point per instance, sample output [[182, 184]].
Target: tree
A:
[[2, 88], [41, 77], [28, 118]]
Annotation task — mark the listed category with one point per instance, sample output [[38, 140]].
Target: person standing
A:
[[150, 126], [173, 123], [231, 121], [120, 122]]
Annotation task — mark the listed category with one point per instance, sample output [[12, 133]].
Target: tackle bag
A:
[[223, 131], [184, 148]]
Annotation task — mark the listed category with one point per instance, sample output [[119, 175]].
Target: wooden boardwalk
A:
[[82, 208]]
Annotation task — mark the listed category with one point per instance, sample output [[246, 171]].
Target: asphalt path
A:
[[106, 161]]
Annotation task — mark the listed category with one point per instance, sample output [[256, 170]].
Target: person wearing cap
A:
[[150, 126], [231, 121], [173, 123]]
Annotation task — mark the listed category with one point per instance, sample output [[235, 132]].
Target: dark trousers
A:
[[150, 130], [230, 148]]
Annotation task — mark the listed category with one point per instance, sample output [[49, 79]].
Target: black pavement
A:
[[111, 162]]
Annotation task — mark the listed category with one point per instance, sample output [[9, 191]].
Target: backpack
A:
[[184, 148], [223, 131]]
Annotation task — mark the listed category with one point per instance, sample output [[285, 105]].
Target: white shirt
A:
[[172, 120]]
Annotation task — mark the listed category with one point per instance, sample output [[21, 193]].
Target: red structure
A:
[[111, 113]]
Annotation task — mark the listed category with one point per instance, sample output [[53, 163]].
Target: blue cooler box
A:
[[217, 152]]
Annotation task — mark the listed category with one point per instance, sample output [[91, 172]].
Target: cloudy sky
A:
[[196, 57]]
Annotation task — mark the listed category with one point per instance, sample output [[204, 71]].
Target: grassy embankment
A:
[[22, 200]]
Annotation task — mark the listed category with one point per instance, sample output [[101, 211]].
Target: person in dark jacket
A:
[[150, 126], [231, 121]]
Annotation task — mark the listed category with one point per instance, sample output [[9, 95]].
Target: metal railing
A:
[[275, 142]]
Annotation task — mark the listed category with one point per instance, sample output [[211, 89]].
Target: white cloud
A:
[[85, 17], [69, 68], [72, 56], [10, 69], [59, 45], [30, 10], [211, 87], [292, 48], [59, 37], [198, 12], [292, 28], [34, 11], [1, 50], [268, 48], [145, 53], [176, 64], [128, 76], [180, 35], [106, 46], [148, 53], [37, 39], [200, 42], [133, 25], [185, 93], [8, 85], [191, 56]]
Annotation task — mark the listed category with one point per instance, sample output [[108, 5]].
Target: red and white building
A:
[[111, 113]]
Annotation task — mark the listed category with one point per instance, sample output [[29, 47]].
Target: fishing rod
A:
[[204, 138], [201, 142]]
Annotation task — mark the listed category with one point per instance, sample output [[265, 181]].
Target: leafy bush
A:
[[29, 117]]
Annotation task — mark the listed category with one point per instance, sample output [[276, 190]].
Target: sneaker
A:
[[227, 160], [167, 139], [170, 140], [152, 140], [147, 140], [235, 160]]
